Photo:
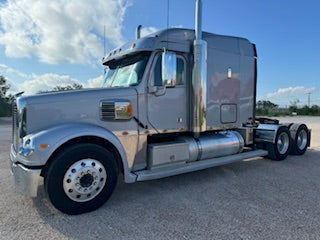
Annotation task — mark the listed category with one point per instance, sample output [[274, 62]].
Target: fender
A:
[[266, 132], [58, 135]]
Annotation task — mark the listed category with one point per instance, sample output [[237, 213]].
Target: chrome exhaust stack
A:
[[138, 31], [199, 76]]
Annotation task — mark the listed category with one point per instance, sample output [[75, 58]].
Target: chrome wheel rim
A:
[[283, 143], [84, 180], [302, 139]]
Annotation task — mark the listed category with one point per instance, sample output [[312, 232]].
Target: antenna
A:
[[104, 40], [309, 93], [168, 8], [168, 14]]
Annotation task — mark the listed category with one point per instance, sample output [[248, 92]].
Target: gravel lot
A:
[[254, 199]]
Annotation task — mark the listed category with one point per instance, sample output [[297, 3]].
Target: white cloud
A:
[[60, 31], [148, 30], [290, 92], [95, 82], [33, 83], [6, 69], [45, 82]]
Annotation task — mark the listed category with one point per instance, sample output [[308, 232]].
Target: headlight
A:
[[27, 147], [122, 110]]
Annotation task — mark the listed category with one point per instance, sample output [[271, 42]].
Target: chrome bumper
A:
[[26, 180]]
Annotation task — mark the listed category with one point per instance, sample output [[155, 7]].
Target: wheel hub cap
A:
[[283, 143], [84, 180], [302, 139]]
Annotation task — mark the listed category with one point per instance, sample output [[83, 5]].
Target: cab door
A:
[[168, 106]]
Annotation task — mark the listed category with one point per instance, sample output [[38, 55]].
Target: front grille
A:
[[15, 126], [107, 111]]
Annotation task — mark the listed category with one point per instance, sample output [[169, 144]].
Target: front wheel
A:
[[280, 149], [81, 178]]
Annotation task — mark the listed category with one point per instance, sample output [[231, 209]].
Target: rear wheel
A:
[[81, 178], [299, 136], [280, 149]]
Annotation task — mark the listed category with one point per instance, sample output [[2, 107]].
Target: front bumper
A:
[[26, 180]]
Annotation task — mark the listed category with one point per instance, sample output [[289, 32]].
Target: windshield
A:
[[127, 71]]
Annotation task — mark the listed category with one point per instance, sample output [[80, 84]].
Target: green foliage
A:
[[66, 88], [5, 106], [267, 108], [311, 111], [294, 105], [4, 87]]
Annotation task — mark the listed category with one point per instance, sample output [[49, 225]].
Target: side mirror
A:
[[169, 69]]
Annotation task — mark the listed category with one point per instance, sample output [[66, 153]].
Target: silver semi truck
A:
[[173, 102]]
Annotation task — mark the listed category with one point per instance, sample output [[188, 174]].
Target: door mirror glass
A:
[[169, 69]]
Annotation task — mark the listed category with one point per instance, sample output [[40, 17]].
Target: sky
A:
[[47, 43]]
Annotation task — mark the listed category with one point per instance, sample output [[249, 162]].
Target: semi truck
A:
[[172, 102]]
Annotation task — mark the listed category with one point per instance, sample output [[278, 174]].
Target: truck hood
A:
[[72, 95], [75, 106]]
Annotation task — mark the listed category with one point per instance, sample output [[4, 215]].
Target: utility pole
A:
[[309, 93]]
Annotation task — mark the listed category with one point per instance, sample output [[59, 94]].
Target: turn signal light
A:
[[44, 145], [129, 110]]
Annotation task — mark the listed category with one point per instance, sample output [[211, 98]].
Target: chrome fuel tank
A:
[[211, 145]]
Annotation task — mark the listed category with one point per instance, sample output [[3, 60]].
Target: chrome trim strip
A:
[[197, 165], [199, 76], [199, 86]]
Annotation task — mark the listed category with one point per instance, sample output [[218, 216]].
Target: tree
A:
[[305, 110], [264, 107], [68, 87], [4, 87], [5, 107], [294, 105], [58, 88], [263, 104]]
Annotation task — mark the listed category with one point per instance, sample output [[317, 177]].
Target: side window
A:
[[157, 72], [180, 71]]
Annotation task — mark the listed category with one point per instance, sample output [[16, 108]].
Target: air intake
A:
[[107, 111]]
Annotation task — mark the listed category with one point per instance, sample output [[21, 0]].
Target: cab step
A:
[[176, 169]]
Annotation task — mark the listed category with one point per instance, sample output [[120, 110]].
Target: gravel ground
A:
[[253, 199]]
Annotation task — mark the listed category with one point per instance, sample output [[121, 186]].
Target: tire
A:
[[299, 137], [279, 150], [81, 178]]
